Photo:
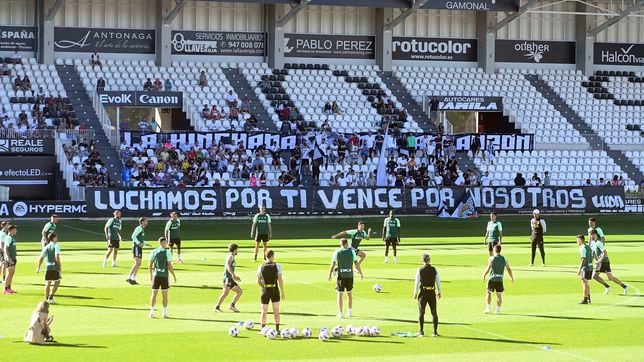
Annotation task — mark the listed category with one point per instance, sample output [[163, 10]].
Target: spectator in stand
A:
[[96, 60], [144, 125], [486, 180], [411, 144], [232, 99], [546, 179], [253, 181], [100, 85], [433, 109], [615, 181], [601, 182], [40, 96], [588, 182], [265, 84], [460, 180], [475, 146], [316, 172], [490, 152], [168, 85], [519, 180], [327, 110], [17, 83], [438, 145], [621, 181], [4, 69], [336, 108], [16, 58], [205, 112], [535, 180], [203, 79], [147, 86], [157, 86]]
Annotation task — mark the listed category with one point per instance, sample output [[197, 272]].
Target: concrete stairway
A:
[[82, 104], [408, 102], [249, 99], [578, 123]]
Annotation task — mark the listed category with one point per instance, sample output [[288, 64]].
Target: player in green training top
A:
[[51, 253], [159, 266], [356, 235], [173, 234], [345, 258], [585, 267], [4, 227], [592, 225], [137, 249], [495, 267], [10, 257], [48, 229], [603, 263], [493, 233], [230, 280], [112, 232], [261, 230], [391, 234]]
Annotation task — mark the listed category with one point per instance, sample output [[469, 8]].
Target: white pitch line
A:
[[85, 230]]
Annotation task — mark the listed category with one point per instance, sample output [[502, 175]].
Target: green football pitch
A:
[[101, 317]]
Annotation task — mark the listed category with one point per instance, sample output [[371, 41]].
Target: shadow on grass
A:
[[308, 314], [631, 306], [81, 297], [95, 273], [108, 307], [415, 321], [301, 263], [560, 317], [203, 320], [371, 340], [500, 340], [68, 345], [62, 285], [203, 287]]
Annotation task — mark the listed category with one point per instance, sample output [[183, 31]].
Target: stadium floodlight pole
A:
[[175, 11], [400, 18], [635, 7], [508, 19], [291, 13], [54, 10]]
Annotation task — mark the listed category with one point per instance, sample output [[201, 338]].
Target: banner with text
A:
[[466, 103], [20, 146], [628, 54], [530, 51], [329, 46], [42, 209], [477, 5], [22, 38], [142, 99], [29, 177], [350, 201], [186, 42], [434, 49], [104, 40], [502, 142]]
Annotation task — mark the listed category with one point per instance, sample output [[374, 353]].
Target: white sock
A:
[[394, 259], [488, 306], [498, 309], [349, 310], [131, 277], [165, 311], [151, 309]]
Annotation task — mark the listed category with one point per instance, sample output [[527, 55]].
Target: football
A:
[[374, 331], [286, 334], [306, 332], [271, 334], [377, 288], [249, 324], [264, 330], [323, 336], [336, 332], [350, 329], [233, 332], [294, 332]]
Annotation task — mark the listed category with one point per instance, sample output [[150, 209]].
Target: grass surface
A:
[[100, 317]]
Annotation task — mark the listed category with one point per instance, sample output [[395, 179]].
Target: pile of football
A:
[[324, 333]]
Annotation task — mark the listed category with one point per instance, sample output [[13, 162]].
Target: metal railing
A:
[[110, 130]]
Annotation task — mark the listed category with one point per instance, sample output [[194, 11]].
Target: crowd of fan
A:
[[88, 169], [46, 111]]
